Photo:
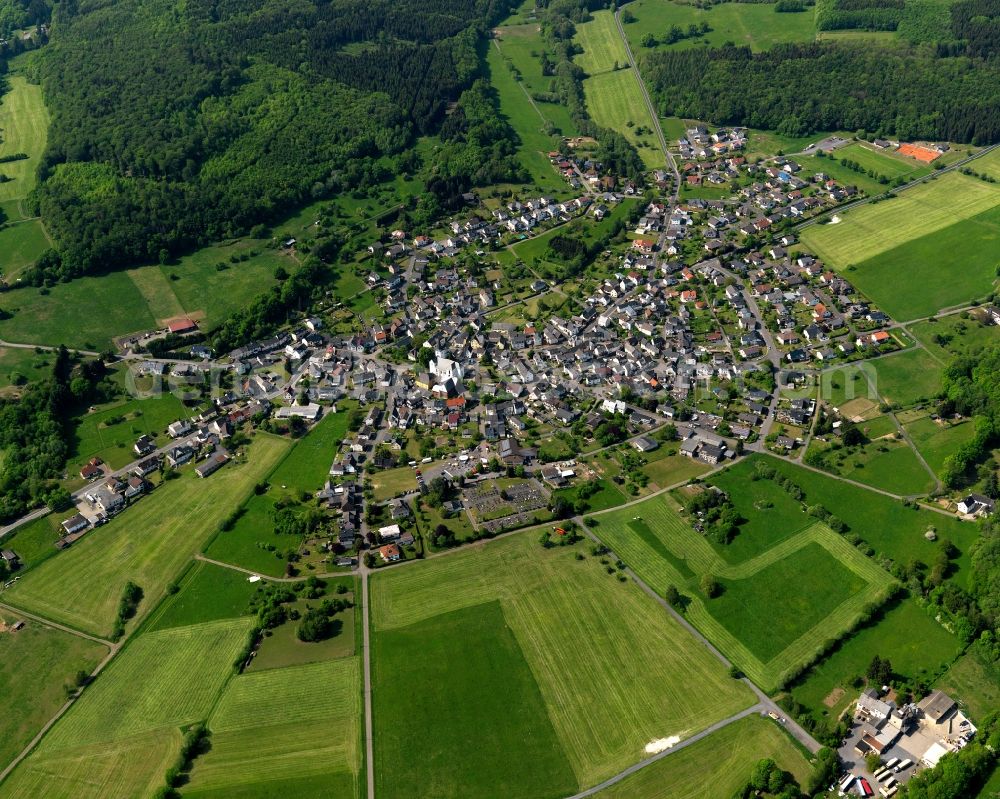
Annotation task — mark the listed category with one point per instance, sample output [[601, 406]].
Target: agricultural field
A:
[[756, 25], [909, 377], [36, 662], [24, 126], [939, 233], [110, 432], [528, 120], [119, 738], [78, 314], [206, 592], [728, 755], [467, 642], [603, 48], [285, 732], [915, 644], [302, 471], [889, 527], [976, 686], [937, 439], [615, 101], [767, 619], [147, 544]]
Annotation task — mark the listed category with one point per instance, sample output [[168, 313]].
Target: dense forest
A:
[[177, 124], [798, 89], [19, 15]]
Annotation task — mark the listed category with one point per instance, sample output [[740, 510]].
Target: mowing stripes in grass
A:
[[603, 47], [118, 739], [716, 767], [872, 229], [273, 728], [121, 770], [764, 658], [612, 668], [163, 679], [147, 544]]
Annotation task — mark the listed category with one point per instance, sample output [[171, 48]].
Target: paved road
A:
[[758, 708], [655, 117], [765, 702]]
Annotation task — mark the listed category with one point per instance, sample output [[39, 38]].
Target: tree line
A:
[[892, 90]]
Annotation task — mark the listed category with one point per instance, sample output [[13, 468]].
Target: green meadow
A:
[[916, 645], [294, 731], [726, 756], [600, 670], [36, 662], [939, 233], [775, 610], [756, 25], [119, 738], [302, 471], [147, 544]]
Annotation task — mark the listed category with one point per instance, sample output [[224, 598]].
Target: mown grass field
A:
[[938, 233], [390, 482], [884, 523], [89, 312], [24, 126], [602, 46], [35, 663], [937, 440], [110, 432], [758, 26], [147, 544], [466, 627], [716, 767], [527, 121], [286, 732], [768, 619], [303, 470], [666, 467], [118, 739], [207, 593], [909, 377], [916, 645], [615, 100], [976, 686]]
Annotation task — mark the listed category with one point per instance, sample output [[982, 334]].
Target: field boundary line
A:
[[367, 688], [757, 708], [66, 628]]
